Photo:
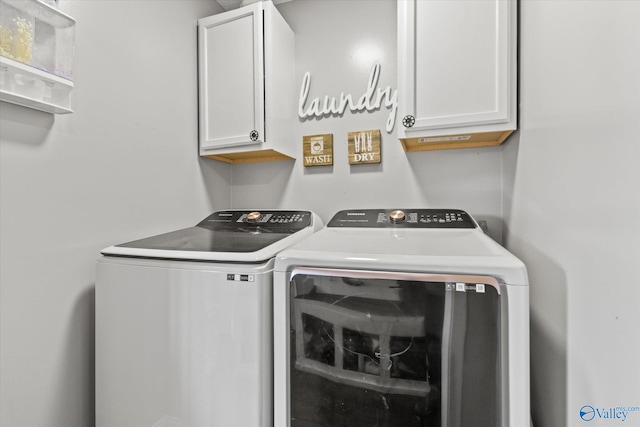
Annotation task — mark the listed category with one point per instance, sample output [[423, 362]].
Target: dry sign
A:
[[317, 150], [364, 147]]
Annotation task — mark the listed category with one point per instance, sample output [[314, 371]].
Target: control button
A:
[[397, 216], [254, 216]]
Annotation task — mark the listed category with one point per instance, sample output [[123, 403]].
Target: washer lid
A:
[[243, 236]]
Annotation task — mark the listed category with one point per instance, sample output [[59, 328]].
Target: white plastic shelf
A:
[[27, 86]]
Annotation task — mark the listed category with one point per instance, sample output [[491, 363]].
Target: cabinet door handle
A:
[[408, 121], [253, 135]]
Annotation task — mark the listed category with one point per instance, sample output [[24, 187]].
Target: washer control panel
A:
[[405, 218], [272, 220]]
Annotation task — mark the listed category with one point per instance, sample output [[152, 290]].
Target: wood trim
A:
[[448, 142], [250, 157]]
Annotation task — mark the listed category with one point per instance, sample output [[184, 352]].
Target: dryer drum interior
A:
[[395, 349]]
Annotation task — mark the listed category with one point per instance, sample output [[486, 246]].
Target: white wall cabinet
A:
[[457, 71], [246, 75]]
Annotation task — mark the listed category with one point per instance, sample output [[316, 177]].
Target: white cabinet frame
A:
[[493, 110], [247, 85]]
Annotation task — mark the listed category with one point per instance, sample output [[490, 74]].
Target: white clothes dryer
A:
[[401, 318], [184, 322]]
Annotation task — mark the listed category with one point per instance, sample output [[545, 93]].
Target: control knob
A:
[[254, 216], [397, 216]]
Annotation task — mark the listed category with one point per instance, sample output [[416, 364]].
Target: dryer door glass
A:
[[395, 349]]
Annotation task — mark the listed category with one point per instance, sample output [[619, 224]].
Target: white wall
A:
[[573, 205], [337, 42], [124, 165]]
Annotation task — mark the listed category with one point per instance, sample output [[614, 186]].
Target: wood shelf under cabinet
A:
[[449, 142], [249, 156]]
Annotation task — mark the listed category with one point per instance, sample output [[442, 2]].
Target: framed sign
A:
[[317, 150], [364, 147]]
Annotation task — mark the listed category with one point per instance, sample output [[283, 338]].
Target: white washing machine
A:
[[401, 318], [184, 322]]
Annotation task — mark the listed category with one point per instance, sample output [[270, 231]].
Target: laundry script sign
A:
[[370, 100]]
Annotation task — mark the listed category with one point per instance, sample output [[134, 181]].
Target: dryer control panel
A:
[[404, 218], [271, 220]]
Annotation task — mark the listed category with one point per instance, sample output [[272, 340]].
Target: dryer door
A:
[[395, 349]]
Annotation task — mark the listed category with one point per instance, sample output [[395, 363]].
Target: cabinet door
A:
[[231, 70], [455, 65]]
